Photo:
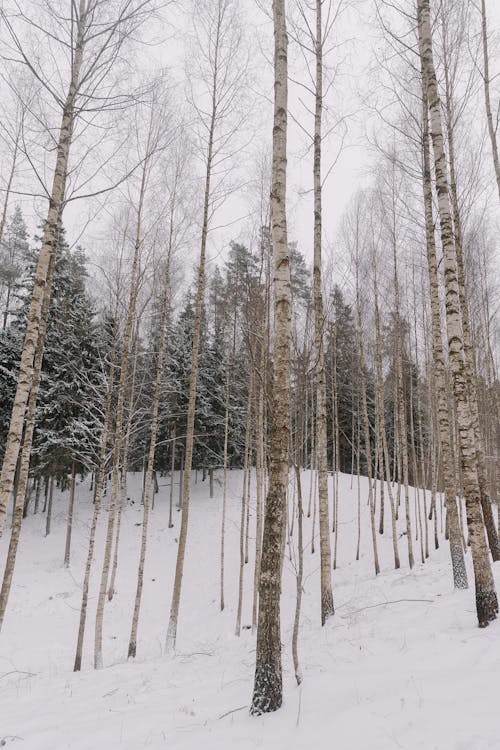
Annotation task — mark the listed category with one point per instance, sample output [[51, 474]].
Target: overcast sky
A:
[[351, 101]]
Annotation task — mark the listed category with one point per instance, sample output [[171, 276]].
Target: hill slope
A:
[[401, 665]]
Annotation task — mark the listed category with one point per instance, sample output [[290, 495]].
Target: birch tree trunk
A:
[[132, 647], [99, 487], [470, 367], [49, 507], [366, 421], [8, 189], [69, 526], [327, 609], [381, 411], [260, 470], [27, 444], [216, 73], [486, 597], [120, 408], [172, 476], [456, 551], [487, 96], [300, 576], [247, 468], [49, 245], [400, 404], [124, 467], [224, 466], [267, 694]]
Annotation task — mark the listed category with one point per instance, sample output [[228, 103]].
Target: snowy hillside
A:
[[402, 663]]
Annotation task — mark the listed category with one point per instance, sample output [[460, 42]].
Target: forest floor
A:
[[402, 664]]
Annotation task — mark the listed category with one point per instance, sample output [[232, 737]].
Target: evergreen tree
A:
[[342, 354], [12, 255], [65, 430], [67, 426]]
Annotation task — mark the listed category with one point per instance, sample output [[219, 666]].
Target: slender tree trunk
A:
[[120, 408], [99, 482], [172, 476], [493, 540], [26, 448], [366, 424], [46, 493], [181, 478], [188, 455], [260, 469], [422, 469], [456, 551], [381, 411], [358, 480], [124, 469], [49, 244], [49, 507], [37, 494], [416, 490], [224, 468], [267, 694], [400, 404], [249, 491], [2, 225], [327, 609], [487, 96], [69, 527], [486, 598], [300, 576], [336, 453], [244, 498], [312, 458], [132, 647], [314, 488]]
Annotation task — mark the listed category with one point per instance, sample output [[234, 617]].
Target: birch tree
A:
[[492, 127], [319, 318], [95, 36], [24, 462], [165, 299], [486, 597], [267, 693], [157, 126], [219, 62]]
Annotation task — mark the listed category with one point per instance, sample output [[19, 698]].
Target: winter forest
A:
[[249, 374]]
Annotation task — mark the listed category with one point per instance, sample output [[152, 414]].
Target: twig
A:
[[383, 604], [17, 671], [3, 741], [299, 706], [233, 710]]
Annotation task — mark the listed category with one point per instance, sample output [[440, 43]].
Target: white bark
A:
[[486, 598], [267, 695], [49, 242]]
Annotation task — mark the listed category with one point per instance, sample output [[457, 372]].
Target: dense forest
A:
[[167, 311]]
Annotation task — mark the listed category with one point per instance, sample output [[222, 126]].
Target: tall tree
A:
[[94, 35], [492, 127], [486, 597], [319, 331], [268, 690], [220, 70], [164, 309]]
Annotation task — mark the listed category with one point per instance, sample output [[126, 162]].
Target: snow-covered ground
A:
[[402, 663]]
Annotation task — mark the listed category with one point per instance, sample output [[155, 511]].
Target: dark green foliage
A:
[[68, 415]]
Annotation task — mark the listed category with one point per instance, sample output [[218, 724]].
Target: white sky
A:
[[361, 45]]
